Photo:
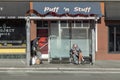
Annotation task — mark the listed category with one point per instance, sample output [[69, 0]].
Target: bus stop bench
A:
[[61, 60], [58, 60]]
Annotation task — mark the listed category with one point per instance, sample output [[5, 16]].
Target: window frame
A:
[[42, 26], [114, 40]]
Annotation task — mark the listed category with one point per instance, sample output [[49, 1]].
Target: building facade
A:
[[108, 33], [62, 24], [13, 29], [94, 26]]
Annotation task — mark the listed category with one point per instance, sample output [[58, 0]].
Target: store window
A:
[[12, 32], [42, 24], [86, 23], [64, 23], [42, 28], [78, 23], [114, 38], [81, 23]]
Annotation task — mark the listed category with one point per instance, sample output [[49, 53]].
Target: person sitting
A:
[[76, 54]]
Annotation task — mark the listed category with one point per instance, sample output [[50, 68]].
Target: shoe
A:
[[83, 59], [79, 62]]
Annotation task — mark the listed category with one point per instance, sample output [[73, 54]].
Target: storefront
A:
[[109, 42], [13, 29], [59, 25], [62, 24]]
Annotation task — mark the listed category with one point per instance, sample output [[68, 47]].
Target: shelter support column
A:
[[28, 50], [93, 45], [94, 40]]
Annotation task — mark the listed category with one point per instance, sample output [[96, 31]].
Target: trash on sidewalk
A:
[[35, 60]]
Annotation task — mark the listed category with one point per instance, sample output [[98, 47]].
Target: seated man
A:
[[76, 54]]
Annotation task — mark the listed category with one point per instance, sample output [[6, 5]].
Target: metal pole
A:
[[93, 46], [96, 35], [28, 41]]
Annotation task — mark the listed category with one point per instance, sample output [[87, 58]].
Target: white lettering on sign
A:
[[6, 30], [86, 10], [49, 9], [66, 9]]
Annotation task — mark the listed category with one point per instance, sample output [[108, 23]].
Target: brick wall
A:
[[102, 53], [33, 30]]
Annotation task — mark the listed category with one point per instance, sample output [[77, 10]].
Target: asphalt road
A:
[[9, 75]]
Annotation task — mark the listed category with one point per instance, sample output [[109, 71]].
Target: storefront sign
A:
[[112, 10], [75, 9], [68, 7], [13, 9]]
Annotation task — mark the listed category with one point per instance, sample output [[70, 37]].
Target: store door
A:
[[42, 33], [43, 40]]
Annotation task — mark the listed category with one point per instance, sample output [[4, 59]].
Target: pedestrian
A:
[[35, 43], [38, 54]]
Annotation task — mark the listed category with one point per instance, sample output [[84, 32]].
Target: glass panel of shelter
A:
[[74, 33], [64, 33], [79, 35]]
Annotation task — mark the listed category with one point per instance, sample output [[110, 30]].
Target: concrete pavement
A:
[[57, 76], [20, 65]]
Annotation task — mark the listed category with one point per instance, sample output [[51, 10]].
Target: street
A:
[[17, 70], [14, 75]]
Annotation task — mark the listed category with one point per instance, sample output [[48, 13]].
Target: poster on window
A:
[[12, 32]]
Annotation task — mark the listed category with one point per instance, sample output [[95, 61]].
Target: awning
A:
[[13, 9], [72, 9], [112, 10]]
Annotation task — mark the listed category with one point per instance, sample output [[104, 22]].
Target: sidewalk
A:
[[21, 63]]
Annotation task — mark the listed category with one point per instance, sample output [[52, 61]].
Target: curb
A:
[[54, 68], [61, 70]]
